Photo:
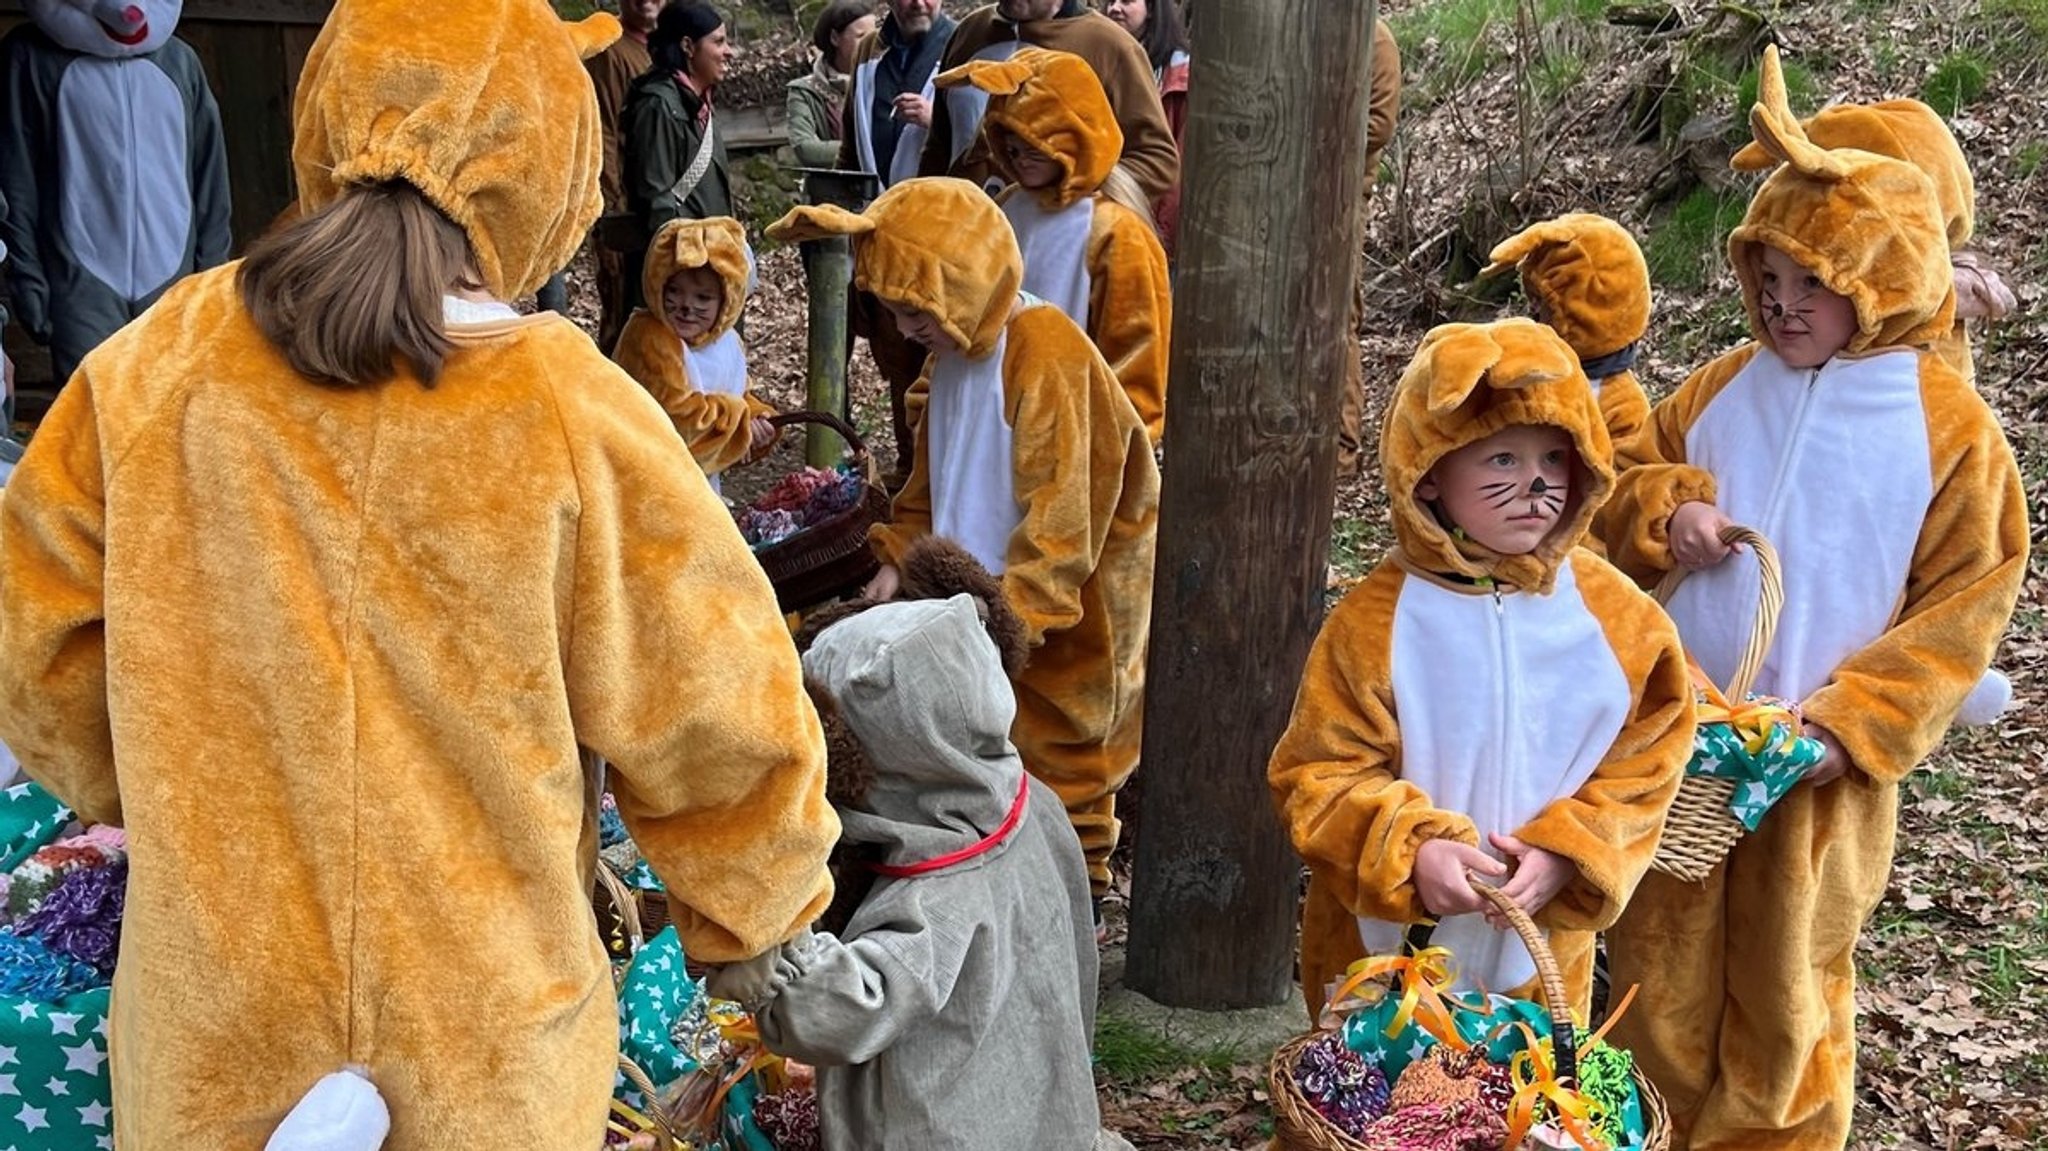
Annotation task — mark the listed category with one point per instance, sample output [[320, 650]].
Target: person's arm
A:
[[831, 1002], [1608, 829], [1635, 523], [715, 427], [1625, 409], [1335, 773], [681, 674], [608, 77], [1130, 312], [24, 113], [212, 216], [1149, 151], [1889, 703], [657, 144], [53, 640], [1383, 106], [807, 138]]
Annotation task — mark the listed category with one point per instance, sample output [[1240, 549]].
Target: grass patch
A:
[[2030, 15], [1127, 1052], [2027, 159], [1958, 80], [1466, 47], [1685, 250], [763, 190], [1356, 544]]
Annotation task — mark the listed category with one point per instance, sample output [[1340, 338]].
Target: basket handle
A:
[[846, 431], [628, 907], [650, 1096], [1563, 1040], [1763, 626]]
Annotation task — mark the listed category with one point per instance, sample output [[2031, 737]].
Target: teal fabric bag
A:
[[658, 1001], [55, 1093], [29, 818]]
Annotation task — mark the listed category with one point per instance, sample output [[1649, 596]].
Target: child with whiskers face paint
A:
[[1493, 704], [1841, 435]]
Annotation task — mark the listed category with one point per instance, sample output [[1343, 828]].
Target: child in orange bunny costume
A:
[[1031, 457], [1089, 245], [1551, 745], [684, 346], [1901, 528]]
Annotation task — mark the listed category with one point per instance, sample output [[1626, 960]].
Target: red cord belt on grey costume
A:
[[987, 844]]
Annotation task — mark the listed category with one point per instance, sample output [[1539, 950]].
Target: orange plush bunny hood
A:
[[1054, 103], [484, 107], [1903, 130], [935, 244], [718, 243], [1466, 382], [1587, 276], [1867, 225]]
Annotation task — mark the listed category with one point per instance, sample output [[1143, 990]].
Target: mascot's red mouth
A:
[[129, 40]]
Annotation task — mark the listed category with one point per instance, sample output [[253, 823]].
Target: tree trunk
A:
[[1268, 253]]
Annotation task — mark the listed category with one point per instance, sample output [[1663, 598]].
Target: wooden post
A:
[[1271, 178], [828, 271]]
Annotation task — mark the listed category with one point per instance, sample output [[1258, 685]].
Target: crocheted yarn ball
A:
[[1442, 1076], [789, 1119], [1467, 1125], [1343, 1088]]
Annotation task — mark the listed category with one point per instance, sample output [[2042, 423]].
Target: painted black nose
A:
[[1537, 487]]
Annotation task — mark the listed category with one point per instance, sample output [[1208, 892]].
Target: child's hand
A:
[[1695, 532], [1980, 294], [761, 432], [1538, 876], [884, 586], [1441, 876], [1834, 764]]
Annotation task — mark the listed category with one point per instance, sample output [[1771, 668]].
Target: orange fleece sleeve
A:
[[714, 426], [1335, 774], [53, 639], [681, 673], [1890, 702], [1636, 520], [1130, 314]]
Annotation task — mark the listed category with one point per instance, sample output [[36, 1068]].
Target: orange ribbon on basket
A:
[[1534, 1077], [1755, 721], [1423, 977]]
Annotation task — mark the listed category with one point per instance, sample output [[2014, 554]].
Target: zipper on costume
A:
[[1769, 525]]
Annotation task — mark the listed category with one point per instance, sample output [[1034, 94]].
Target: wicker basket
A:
[[1700, 830], [830, 558], [1297, 1126]]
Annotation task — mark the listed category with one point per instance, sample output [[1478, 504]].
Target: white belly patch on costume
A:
[[126, 189]]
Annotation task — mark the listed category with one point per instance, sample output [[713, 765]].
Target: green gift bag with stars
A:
[[54, 1091]]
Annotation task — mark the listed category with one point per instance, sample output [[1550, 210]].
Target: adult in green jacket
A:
[[818, 97], [669, 122]]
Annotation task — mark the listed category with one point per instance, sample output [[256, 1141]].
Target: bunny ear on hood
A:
[[1588, 276], [1055, 104], [1869, 226], [1466, 382], [485, 108], [935, 244], [996, 77], [1903, 130], [818, 222]]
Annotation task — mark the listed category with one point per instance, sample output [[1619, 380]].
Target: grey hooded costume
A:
[[958, 1008]]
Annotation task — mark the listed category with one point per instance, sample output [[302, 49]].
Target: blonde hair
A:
[[1120, 187], [349, 291]]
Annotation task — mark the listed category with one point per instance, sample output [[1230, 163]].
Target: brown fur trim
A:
[[935, 567], [848, 774]]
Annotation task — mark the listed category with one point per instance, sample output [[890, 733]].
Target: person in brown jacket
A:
[[611, 71], [1383, 109], [954, 147]]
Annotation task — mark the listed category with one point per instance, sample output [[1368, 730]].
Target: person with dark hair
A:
[[387, 558], [1156, 25], [674, 156], [817, 99]]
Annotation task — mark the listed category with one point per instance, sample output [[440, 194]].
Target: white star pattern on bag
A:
[[64, 1024], [93, 1114], [31, 1118], [57, 1086], [7, 1086], [7, 1058], [27, 1011], [84, 1057]]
